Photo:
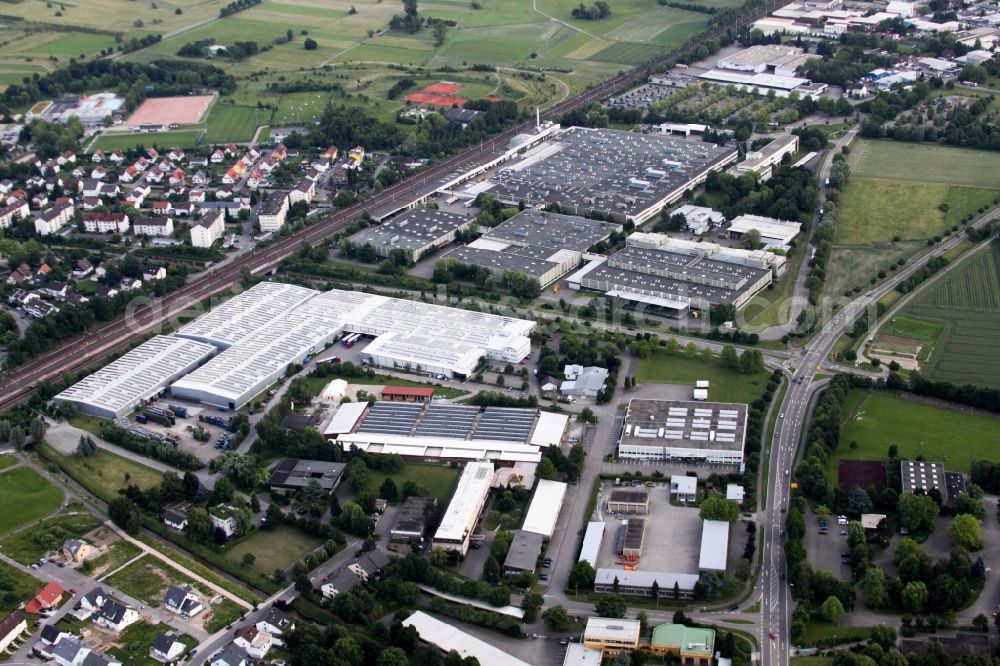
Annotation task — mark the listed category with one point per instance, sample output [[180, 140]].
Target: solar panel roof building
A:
[[121, 386]]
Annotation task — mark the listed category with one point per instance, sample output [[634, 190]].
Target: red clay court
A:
[[183, 110], [862, 473], [428, 99], [443, 88]]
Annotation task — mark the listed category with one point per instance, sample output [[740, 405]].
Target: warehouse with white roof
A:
[[121, 386], [448, 638], [714, 545], [460, 518], [774, 233], [543, 512]]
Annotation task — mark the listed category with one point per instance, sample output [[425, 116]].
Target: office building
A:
[[465, 508], [670, 430]]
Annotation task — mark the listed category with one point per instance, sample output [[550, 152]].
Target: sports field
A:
[[183, 110], [877, 420], [128, 140], [26, 497], [725, 385], [957, 316], [227, 122]]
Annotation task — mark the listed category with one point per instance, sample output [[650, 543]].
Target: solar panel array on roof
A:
[[447, 421], [505, 424], [391, 418]]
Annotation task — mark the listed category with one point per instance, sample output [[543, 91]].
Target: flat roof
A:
[[685, 424], [684, 484], [345, 418], [629, 496], [761, 54], [579, 655], [525, 547], [523, 259], [922, 475], [549, 429], [612, 628], [295, 473], [413, 229], [543, 512], [690, 640], [755, 80], [611, 171], [120, 386], [552, 230], [449, 638], [769, 227], [644, 579], [592, 539], [714, 545], [463, 509]]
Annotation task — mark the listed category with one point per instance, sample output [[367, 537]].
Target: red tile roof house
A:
[[45, 598]]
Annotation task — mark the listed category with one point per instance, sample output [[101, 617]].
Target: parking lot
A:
[[185, 427]]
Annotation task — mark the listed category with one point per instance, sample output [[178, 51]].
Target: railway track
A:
[[84, 350]]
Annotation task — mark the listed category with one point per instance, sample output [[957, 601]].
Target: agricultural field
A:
[[16, 72], [276, 548], [852, 267], [877, 420], [955, 318], [33, 496], [725, 385]]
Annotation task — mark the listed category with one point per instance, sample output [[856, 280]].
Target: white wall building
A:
[[208, 229], [273, 211], [51, 220], [462, 514], [774, 233], [543, 512]]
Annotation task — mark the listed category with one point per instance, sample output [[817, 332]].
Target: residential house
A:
[[49, 634], [39, 309], [256, 643], [208, 229], [223, 518], [106, 222], [267, 165], [255, 179], [199, 179], [129, 174], [11, 628], [39, 201], [218, 157], [130, 284], [175, 155], [182, 601], [91, 203], [75, 550], [98, 173], [197, 196], [55, 289], [21, 297], [166, 648], [198, 161], [97, 157], [153, 226], [177, 176], [19, 275], [142, 163], [330, 153], [230, 177], [305, 190], [43, 272], [90, 187], [52, 219], [116, 157], [69, 157], [105, 292], [14, 211], [69, 651], [223, 193], [116, 616], [90, 603], [231, 655], [183, 209], [150, 273], [345, 581], [175, 517], [369, 565], [76, 298], [96, 659], [109, 190], [79, 172], [155, 175], [276, 623], [162, 208], [83, 269], [45, 598]]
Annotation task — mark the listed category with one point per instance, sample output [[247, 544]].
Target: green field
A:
[[770, 307], [316, 384], [956, 316], [27, 497], [103, 473], [46, 537], [852, 266], [925, 163], [7, 461], [878, 420], [434, 480], [117, 554], [234, 123], [19, 584], [277, 548], [129, 140], [725, 385]]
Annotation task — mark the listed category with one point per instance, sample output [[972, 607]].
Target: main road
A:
[[776, 602]]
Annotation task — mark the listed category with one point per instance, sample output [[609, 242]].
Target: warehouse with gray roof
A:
[[416, 231]]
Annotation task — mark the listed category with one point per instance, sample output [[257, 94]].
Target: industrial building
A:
[[628, 500], [761, 162], [776, 59], [611, 635], [684, 488], [294, 474], [627, 175], [640, 583], [448, 638], [714, 545], [541, 245], [579, 655], [592, 539], [693, 646], [630, 538], [765, 259], [522, 556], [675, 277], [411, 521], [451, 432], [672, 430], [919, 475], [268, 328], [774, 234], [583, 382], [700, 219], [543, 512], [466, 506], [417, 231], [141, 374]]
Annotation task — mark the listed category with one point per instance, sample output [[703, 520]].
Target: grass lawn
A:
[[7, 461], [317, 384], [853, 266], [222, 615], [103, 473], [925, 163], [725, 385], [227, 122], [136, 640], [28, 546], [19, 583], [129, 140], [812, 661], [27, 497], [433, 480], [877, 420], [770, 307], [274, 549], [117, 554], [817, 630]]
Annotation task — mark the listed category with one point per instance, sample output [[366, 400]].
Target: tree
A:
[[531, 602], [125, 514], [728, 358], [199, 525], [719, 508], [655, 590], [917, 512], [222, 492], [914, 597], [587, 415], [37, 429], [556, 618], [491, 570], [581, 576], [832, 610], [440, 33], [388, 490], [873, 587], [751, 240], [546, 469], [248, 560], [17, 437], [858, 501], [965, 532], [612, 605], [310, 44], [353, 519]]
